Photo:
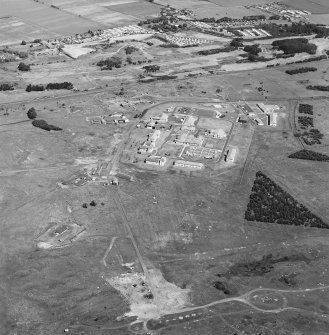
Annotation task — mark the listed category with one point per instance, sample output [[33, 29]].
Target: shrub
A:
[[44, 125], [318, 88], [109, 63], [237, 42], [23, 67], [31, 113], [151, 68], [130, 49], [295, 45], [252, 49], [216, 51], [6, 87], [60, 86], [30, 88]]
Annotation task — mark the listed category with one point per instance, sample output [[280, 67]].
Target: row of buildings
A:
[[99, 35], [283, 11], [183, 41], [109, 119], [253, 32]]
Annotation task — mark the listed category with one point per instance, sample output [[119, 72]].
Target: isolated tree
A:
[[31, 113], [252, 49], [23, 43], [24, 67], [237, 42]]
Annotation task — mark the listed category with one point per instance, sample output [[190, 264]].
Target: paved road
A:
[[244, 298], [158, 98]]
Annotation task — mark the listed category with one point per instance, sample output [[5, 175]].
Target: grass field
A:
[[24, 19], [110, 13], [14, 30], [319, 18], [136, 9], [41, 20], [315, 6], [237, 3]]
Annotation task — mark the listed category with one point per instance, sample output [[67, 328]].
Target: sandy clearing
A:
[[75, 51]]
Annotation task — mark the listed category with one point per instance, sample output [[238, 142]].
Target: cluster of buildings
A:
[[210, 28], [99, 35], [58, 235], [185, 137], [283, 11], [150, 144], [221, 28], [239, 23], [109, 119], [194, 143], [253, 33], [184, 41], [157, 120], [124, 31]]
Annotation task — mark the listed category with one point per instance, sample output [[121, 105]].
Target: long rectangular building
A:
[[188, 164]]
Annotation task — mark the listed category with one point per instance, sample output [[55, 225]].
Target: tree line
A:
[[51, 86], [301, 70], [318, 88], [216, 51]]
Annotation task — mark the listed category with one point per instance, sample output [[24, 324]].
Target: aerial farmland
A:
[[164, 167]]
